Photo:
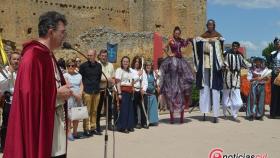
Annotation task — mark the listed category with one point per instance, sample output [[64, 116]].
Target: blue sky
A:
[[253, 23]]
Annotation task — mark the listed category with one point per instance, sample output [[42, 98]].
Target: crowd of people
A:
[[40, 91], [129, 92]]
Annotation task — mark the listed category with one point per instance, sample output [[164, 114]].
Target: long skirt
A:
[[256, 100], [152, 105], [177, 79], [126, 117], [139, 109], [275, 99]]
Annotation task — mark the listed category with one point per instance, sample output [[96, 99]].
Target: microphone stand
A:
[[78, 52], [105, 101]]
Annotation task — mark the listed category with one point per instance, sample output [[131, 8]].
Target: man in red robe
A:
[[39, 88]]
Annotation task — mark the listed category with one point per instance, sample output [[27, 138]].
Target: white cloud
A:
[[254, 48], [250, 46], [249, 3]]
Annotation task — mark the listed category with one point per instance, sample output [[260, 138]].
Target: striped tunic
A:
[[231, 75]]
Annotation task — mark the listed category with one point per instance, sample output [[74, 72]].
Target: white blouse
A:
[[125, 77], [7, 84]]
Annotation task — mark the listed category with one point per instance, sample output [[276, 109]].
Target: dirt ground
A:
[[193, 139]]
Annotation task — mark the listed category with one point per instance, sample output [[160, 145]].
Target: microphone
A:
[[67, 45]]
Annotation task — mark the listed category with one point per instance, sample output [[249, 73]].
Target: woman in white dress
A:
[[74, 80]]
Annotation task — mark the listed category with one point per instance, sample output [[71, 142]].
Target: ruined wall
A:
[[129, 44], [19, 18]]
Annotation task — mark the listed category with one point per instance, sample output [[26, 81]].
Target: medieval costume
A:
[[140, 110], [126, 120], [150, 95], [208, 62], [36, 125], [176, 78], [233, 62], [275, 89], [7, 79], [256, 100]]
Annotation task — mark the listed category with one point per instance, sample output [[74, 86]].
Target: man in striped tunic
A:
[[233, 62]]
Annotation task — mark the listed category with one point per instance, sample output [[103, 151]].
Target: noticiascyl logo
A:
[[216, 153]]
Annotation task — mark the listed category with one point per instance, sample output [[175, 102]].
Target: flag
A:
[[112, 52], [3, 53], [158, 52]]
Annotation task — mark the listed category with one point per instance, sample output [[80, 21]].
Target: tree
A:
[[266, 52]]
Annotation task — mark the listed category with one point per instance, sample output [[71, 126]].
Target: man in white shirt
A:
[[108, 70]]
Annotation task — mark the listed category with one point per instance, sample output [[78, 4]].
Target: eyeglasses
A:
[[71, 66]]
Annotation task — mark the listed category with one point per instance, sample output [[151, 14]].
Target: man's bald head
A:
[[91, 55]]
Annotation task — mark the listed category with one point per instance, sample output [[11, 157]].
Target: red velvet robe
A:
[[31, 120]]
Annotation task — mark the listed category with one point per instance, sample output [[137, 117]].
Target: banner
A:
[[112, 52], [158, 52]]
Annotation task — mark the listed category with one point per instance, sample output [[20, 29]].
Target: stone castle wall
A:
[[19, 18]]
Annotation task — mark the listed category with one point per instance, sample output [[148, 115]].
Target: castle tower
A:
[[164, 15]]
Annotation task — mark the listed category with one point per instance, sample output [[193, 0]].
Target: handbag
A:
[[277, 80], [78, 113]]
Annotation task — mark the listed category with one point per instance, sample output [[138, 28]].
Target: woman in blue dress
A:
[[150, 93]]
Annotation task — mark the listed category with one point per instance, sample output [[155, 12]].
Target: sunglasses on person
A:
[[71, 66]]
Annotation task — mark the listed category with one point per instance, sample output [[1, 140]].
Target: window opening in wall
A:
[[158, 25], [29, 30]]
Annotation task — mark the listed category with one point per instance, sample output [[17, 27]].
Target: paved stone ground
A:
[[193, 139]]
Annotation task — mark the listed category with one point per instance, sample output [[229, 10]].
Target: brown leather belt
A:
[[127, 89]]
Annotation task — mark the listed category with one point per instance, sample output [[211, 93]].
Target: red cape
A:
[[31, 120]]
